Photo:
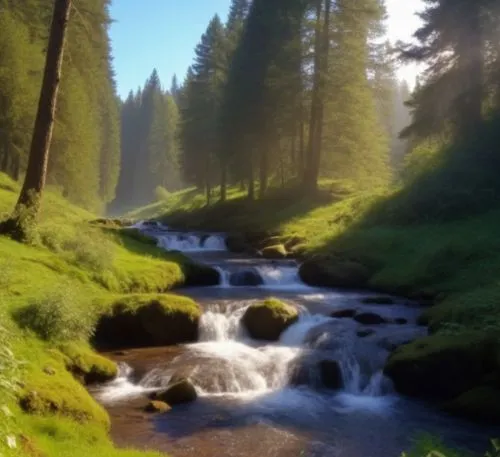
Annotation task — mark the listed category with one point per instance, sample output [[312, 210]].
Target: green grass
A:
[[62, 284]]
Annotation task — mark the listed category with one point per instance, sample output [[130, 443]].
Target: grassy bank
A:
[[51, 295]]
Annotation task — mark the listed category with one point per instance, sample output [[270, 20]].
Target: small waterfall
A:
[[221, 323], [224, 275], [279, 276], [226, 362], [191, 242]]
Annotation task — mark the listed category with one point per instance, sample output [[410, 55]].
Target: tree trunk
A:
[[34, 181], [322, 47], [309, 183]]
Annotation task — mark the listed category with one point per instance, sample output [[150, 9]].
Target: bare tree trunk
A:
[[36, 173], [322, 46], [313, 120]]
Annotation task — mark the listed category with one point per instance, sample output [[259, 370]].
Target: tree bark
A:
[[309, 183], [34, 181]]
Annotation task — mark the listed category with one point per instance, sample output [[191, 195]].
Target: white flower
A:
[[11, 442]]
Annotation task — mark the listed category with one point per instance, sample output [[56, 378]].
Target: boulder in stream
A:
[[344, 313], [331, 374], [148, 321], [334, 272], [370, 319], [179, 392], [237, 244], [442, 367], [267, 320]]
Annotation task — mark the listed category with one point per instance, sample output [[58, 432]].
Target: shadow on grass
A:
[[243, 215]]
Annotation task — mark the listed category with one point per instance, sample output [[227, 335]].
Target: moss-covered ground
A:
[[51, 294]]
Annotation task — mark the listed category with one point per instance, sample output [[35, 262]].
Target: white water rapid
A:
[[227, 363]]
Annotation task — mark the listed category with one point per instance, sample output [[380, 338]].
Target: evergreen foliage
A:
[[84, 157], [149, 144]]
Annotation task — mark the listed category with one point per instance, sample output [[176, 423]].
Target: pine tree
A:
[[355, 141], [454, 42]]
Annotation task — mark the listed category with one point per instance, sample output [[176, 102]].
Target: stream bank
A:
[[271, 399]]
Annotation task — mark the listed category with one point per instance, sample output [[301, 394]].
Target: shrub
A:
[[60, 314], [81, 245]]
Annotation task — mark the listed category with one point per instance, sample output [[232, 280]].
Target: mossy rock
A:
[[86, 365], [277, 251], [267, 320], [155, 406], [334, 273], [480, 404], [148, 321], [179, 392], [199, 275], [61, 395], [441, 367]]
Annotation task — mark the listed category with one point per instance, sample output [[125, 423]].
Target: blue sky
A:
[[162, 34]]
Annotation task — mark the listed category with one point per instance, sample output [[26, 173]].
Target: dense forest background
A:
[[246, 114]]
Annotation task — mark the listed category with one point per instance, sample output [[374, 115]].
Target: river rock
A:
[[334, 273], [331, 374], [400, 321], [267, 320], [344, 313], [442, 367], [370, 319], [237, 244], [246, 278], [155, 406], [179, 392]]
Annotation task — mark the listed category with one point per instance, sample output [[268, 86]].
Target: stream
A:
[[261, 399]]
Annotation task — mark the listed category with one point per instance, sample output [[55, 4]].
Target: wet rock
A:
[[400, 321], [274, 252], [442, 367], [155, 406], [246, 278], [179, 392], [331, 374], [344, 313], [370, 319], [199, 275], [378, 301], [267, 320], [334, 273], [237, 244], [363, 333]]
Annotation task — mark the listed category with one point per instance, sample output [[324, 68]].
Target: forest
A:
[[260, 257]]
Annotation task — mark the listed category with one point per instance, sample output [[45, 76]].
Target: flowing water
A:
[[271, 399]]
